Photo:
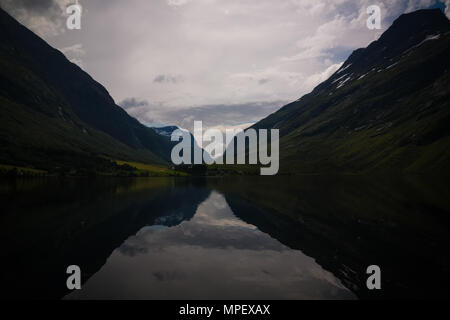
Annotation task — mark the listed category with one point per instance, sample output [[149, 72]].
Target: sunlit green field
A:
[[143, 169]]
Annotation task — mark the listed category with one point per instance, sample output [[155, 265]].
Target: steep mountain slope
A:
[[52, 112], [386, 108]]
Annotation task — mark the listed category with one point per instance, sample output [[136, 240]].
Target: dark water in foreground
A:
[[306, 237]]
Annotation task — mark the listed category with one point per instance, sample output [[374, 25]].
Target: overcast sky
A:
[[226, 62]]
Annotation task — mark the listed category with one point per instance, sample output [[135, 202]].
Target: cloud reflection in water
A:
[[214, 255]]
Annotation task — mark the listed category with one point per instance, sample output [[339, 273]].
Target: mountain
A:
[[53, 114], [167, 132], [386, 109]]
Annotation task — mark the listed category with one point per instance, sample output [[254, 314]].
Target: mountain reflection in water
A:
[[212, 256], [219, 238]]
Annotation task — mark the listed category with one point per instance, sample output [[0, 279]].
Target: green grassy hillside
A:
[[386, 109], [55, 117]]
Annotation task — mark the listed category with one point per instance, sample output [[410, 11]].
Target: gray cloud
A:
[[219, 115], [45, 17], [225, 115], [74, 53], [231, 52], [41, 6], [166, 78], [131, 103], [160, 78], [137, 108]]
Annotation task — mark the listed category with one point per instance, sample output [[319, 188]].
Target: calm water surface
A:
[[213, 255], [225, 238]]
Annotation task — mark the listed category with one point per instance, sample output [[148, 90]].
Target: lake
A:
[[300, 237]]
